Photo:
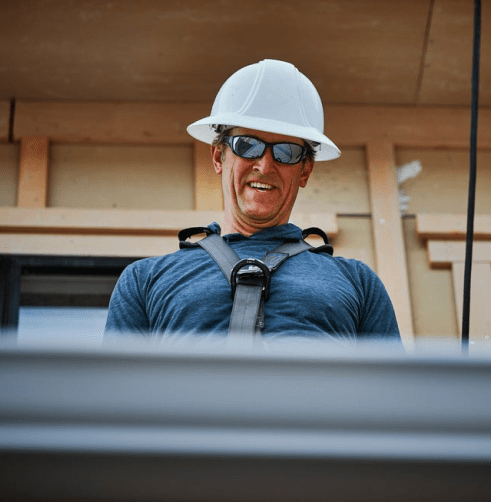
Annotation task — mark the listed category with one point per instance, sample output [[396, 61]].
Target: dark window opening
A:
[[28, 282]]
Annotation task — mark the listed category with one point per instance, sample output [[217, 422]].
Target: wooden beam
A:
[[325, 221], [102, 221], [480, 313], [452, 226], [165, 123], [444, 253], [88, 245], [390, 254], [33, 171], [207, 184], [113, 123], [126, 221], [405, 126], [4, 120]]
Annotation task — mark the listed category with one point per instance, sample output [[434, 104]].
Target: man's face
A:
[[259, 193]]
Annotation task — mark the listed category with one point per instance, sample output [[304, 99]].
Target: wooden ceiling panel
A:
[[355, 51], [448, 62]]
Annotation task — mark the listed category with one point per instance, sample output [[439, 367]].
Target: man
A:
[[265, 128]]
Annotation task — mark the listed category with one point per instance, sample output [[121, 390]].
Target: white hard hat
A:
[[271, 96]]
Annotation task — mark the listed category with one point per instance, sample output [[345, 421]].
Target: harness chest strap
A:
[[249, 278]]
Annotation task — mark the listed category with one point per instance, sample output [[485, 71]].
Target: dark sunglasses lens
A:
[[248, 148], [288, 153], [252, 148]]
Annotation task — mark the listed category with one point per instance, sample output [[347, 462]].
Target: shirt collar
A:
[[289, 231]]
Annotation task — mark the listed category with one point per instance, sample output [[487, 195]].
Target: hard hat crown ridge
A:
[[271, 96]]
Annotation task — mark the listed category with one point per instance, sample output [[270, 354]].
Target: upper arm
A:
[[378, 318], [127, 310]]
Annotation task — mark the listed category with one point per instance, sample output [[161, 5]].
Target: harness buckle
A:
[[251, 271]]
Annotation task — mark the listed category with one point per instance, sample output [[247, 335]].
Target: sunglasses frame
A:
[[229, 140]]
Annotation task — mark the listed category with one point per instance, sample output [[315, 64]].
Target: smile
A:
[[260, 186]]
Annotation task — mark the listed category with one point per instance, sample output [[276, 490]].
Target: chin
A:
[[264, 220]]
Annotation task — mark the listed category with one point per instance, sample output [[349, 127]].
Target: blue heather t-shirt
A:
[[313, 295]]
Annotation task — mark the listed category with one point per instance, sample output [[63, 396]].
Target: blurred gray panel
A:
[[223, 423]]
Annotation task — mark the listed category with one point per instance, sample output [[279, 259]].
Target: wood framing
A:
[[91, 232], [128, 222], [445, 234], [444, 253], [452, 226], [387, 231], [480, 313], [406, 126], [33, 171], [87, 245], [165, 123], [4, 120], [102, 221], [207, 185], [451, 254], [377, 129], [113, 123]]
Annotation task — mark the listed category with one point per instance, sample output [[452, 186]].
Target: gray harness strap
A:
[[249, 278]]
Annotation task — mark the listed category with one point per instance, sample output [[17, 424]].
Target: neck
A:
[[233, 224]]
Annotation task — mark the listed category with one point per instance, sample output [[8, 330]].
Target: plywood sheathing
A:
[[447, 65], [353, 51]]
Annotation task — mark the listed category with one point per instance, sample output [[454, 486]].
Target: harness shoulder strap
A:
[[221, 252], [250, 277]]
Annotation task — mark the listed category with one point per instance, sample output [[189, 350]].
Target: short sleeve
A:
[[127, 313], [378, 319]]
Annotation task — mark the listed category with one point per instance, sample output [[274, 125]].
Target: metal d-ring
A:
[[257, 268]]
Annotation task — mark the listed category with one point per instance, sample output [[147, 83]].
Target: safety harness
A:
[[249, 278]]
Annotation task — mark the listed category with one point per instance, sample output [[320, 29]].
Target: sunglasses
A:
[[249, 147]]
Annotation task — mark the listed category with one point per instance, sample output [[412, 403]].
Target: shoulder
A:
[[346, 266], [148, 265]]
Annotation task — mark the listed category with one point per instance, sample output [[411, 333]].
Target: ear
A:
[[216, 157], [306, 172]]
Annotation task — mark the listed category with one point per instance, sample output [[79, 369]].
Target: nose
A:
[[266, 162]]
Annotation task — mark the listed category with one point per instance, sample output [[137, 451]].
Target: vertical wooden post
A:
[[33, 171], [390, 254], [207, 185]]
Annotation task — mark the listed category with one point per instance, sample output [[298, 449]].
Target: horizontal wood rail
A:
[[127, 221], [452, 226], [101, 221], [88, 245], [442, 254], [165, 123], [113, 123], [112, 232]]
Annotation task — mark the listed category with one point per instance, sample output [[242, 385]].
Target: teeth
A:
[[263, 186]]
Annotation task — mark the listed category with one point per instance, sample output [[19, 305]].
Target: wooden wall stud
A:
[[390, 253], [4, 120], [33, 172]]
